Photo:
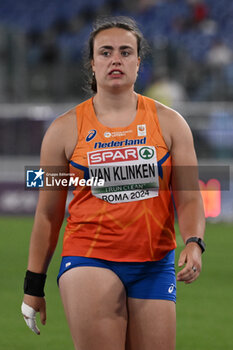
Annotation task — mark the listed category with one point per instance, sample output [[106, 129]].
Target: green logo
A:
[[146, 152]]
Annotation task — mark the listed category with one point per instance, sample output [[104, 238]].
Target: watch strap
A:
[[197, 240]]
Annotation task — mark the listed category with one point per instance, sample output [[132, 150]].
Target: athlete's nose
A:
[[116, 58]]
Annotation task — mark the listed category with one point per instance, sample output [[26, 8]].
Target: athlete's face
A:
[[115, 59]]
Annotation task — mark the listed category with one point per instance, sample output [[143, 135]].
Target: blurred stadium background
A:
[[189, 68]]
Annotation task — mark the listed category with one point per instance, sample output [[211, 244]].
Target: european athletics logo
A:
[[35, 178]]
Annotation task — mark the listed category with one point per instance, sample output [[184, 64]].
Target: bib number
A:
[[129, 173]]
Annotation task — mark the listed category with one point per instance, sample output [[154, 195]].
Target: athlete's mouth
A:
[[115, 72]]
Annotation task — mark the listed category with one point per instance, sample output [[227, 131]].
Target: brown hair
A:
[[103, 23]]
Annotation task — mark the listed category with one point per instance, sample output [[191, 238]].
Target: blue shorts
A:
[[143, 280]]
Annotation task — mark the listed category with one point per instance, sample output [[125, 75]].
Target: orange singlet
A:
[[131, 216]]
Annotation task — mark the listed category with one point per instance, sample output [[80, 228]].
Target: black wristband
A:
[[34, 284], [197, 240]]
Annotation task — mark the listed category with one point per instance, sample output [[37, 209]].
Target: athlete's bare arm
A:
[[185, 186], [57, 147]]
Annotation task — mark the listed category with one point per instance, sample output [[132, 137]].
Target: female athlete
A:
[[117, 278]]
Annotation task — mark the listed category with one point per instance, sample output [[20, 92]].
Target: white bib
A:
[[129, 173]]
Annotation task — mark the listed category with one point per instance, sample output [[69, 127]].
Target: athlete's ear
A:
[[92, 65], [138, 64]]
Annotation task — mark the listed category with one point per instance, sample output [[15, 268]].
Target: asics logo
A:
[[171, 288], [91, 134]]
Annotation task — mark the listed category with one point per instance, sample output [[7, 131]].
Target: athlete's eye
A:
[[125, 53], [106, 53]]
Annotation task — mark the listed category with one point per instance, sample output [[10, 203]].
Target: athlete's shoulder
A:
[[170, 117], [70, 115], [84, 105], [173, 125], [61, 125], [62, 132], [147, 100], [163, 110], [167, 111]]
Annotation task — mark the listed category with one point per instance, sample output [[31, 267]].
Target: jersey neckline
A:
[[118, 128]]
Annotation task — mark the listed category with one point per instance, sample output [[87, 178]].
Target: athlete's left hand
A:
[[191, 258], [30, 306]]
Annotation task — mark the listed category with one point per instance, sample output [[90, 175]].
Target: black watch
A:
[[197, 240]]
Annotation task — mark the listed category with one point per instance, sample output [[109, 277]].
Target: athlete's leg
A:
[[151, 324], [95, 305]]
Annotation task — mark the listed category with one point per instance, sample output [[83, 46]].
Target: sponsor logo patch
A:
[[141, 129], [171, 288], [113, 155], [146, 152], [91, 134], [117, 133], [129, 173], [107, 134]]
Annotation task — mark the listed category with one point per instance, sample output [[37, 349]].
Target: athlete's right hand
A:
[[30, 306]]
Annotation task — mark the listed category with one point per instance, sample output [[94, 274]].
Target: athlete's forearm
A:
[[191, 218], [43, 241]]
